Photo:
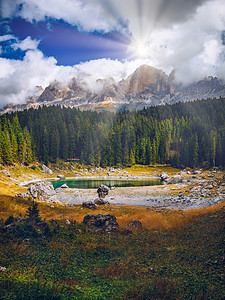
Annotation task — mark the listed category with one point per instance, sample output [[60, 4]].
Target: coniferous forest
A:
[[188, 134]]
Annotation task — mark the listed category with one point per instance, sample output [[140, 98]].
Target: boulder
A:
[[175, 180], [61, 177], [103, 191], [135, 224], [223, 176], [99, 201], [47, 170], [101, 223], [43, 190], [163, 176], [89, 204]]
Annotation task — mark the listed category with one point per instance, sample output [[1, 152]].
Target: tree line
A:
[[184, 135]]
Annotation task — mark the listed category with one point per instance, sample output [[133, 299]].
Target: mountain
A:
[[147, 86]]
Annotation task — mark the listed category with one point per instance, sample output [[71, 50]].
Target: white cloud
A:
[[194, 48], [7, 37], [27, 44], [18, 79], [86, 16]]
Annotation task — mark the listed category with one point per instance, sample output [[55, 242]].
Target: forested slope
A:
[[184, 134]]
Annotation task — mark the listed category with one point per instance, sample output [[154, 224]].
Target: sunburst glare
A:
[[138, 48]]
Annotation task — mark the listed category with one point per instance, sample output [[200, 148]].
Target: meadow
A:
[[179, 260], [179, 254]]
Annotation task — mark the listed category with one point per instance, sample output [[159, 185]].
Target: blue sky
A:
[[47, 40], [64, 42]]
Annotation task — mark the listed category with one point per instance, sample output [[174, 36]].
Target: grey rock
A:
[[32, 191], [209, 187], [6, 173], [197, 172], [175, 180], [135, 224], [101, 223], [100, 201], [47, 170], [163, 176], [22, 195], [182, 172], [89, 204], [103, 191], [64, 186], [61, 177], [67, 222], [43, 190]]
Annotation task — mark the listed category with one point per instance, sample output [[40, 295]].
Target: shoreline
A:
[[197, 189]]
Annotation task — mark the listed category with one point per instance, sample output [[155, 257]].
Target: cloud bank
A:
[[184, 35]]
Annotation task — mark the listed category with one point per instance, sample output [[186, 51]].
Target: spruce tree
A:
[[33, 213]]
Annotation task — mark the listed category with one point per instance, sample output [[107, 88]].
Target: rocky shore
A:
[[183, 189]]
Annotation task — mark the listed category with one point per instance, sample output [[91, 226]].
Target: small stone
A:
[[6, 173], [64, 186], [47, 170]]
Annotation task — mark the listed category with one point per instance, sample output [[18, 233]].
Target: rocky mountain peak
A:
[[147, 78]]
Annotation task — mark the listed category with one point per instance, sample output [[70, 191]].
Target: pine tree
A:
[[6, 148], [33, 213], [28, 151]]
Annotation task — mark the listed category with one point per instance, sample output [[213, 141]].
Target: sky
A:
[[47, 40]]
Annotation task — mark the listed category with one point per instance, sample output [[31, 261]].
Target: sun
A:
[[139, 49]]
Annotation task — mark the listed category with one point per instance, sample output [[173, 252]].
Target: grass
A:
[[68, 263]]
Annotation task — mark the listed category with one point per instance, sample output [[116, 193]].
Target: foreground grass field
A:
[[65, 262]]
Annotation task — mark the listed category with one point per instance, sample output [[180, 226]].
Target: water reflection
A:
[[95, 183]]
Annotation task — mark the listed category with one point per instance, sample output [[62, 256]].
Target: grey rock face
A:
[[47, 170], [101, 223]]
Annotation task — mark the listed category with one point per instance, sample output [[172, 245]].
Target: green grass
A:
[[67, 263]]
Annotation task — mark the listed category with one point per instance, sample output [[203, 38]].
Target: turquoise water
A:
[[95, 183]]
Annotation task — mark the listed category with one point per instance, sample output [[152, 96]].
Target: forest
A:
[[190, 134]]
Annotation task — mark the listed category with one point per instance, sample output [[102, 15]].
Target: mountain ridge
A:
[[146, 86]]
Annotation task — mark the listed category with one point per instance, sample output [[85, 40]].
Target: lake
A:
[[95, 183]]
